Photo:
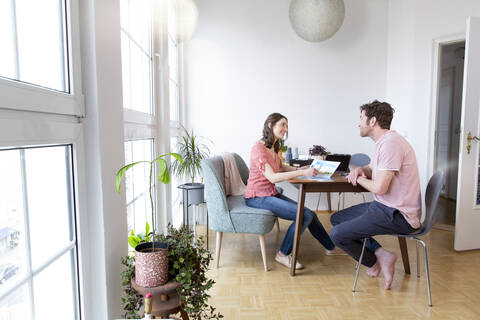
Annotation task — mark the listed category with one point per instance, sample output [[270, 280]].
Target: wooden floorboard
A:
[[323, 289]]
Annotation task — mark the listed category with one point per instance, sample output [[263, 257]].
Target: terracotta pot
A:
[[151, 267]]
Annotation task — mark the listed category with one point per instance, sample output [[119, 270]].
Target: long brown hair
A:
[[268, 136]]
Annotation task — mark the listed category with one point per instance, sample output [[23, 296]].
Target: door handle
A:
[[469, 141]]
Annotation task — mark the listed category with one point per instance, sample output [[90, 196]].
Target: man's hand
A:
[[354, 174], [310, 172]]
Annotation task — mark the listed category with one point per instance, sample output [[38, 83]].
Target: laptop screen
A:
[[344, 160]]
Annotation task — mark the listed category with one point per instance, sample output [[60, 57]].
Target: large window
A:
[[136, 183], [136, 31], [39, 152], [38, 246], [151, 98], [33, 39]]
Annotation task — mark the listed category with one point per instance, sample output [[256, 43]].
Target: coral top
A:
[[258, 185]]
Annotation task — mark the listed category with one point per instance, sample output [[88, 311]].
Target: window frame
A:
[[18, 95], [159, 127], [51, 130]]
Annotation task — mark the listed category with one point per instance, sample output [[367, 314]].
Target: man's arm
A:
[[358, 172], [381, 183]]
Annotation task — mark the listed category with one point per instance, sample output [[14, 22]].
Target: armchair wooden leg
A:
[[218, 247], [264, 251], [278, 224]]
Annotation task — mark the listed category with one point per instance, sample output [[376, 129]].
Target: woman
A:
[[266, 169]]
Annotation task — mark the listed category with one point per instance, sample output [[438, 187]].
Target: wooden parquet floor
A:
[[323, 289]]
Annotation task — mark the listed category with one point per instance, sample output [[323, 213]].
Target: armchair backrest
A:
[[214, 179]]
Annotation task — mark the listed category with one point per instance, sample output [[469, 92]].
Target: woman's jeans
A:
[[286, 208]]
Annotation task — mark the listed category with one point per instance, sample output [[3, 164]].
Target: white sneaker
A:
[[287, 261]]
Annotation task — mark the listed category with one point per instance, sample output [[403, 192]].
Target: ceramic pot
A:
[[151, 267]]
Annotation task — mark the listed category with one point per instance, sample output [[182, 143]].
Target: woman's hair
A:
[[268, 136]]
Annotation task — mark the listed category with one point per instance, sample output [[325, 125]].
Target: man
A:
[[392, 177]]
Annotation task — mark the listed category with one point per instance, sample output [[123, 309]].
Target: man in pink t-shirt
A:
[[392, 177]]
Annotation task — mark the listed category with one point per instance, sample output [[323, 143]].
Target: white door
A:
[[467, 224]]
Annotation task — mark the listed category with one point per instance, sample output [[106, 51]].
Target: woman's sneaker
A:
[[287, 261]]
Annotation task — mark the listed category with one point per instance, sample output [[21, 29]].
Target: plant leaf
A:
[[121, 174], [163, 175], [133, 241], [147, 228]]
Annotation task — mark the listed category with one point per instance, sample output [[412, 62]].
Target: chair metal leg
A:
[[318, 202], [427, 274], [358, 265], [418, 259], [338, 204]]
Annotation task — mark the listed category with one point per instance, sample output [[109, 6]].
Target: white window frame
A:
[[139, 125], [31, 115], [17, 95], [46, 130]]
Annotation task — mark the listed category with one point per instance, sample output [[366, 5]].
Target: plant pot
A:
[[151, 267], [192, 193]]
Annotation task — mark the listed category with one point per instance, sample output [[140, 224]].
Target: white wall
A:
[[244, 62], [107, 224], [412, 27]]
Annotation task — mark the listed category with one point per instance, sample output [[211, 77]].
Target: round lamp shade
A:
[[186, 17], [316, 20]]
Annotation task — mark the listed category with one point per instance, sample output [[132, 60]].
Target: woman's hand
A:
[[309, 172]]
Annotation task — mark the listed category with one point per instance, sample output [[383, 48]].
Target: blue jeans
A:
[[352, 225], [286, 208]]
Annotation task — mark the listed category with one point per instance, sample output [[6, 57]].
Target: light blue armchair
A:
[[231, 214]]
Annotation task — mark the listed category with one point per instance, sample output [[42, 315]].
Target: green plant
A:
[[283, 146], [131, 301], [188, 265], [163, 176], [192, 151]]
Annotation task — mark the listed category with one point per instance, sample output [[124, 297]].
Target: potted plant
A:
[[188, 265], [318, 152], [193, 151], [151, 261]]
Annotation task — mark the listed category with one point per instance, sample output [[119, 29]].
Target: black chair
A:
[[432, 194]]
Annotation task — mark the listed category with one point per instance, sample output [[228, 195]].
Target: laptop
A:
[[344, 160], [325, 169]]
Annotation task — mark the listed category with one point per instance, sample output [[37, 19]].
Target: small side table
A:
[[165, 299], [193, 194]]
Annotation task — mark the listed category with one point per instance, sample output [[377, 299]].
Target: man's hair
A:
[[382, 111]]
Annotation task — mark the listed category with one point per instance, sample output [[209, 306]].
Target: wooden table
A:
[[336, 184]]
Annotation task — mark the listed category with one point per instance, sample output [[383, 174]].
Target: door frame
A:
[[435, 84]]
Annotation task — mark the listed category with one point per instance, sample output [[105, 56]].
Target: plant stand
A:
[[192, 195], [165, 299]]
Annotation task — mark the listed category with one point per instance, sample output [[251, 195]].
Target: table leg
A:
[[298, 226], [329, 200], [403, 249]]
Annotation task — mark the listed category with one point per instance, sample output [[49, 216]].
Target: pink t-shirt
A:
[[258, 185], [393, 152]]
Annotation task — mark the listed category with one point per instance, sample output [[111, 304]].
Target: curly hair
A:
[[268, 136], [382, 111]]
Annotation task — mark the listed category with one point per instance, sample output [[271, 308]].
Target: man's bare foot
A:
[[386, 259], [374, 270]]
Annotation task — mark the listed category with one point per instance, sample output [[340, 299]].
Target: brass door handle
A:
[[469, 141]]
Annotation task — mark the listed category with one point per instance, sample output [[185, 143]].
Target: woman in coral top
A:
[[266, 169]]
